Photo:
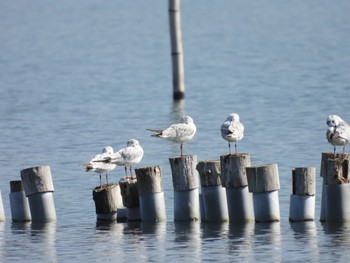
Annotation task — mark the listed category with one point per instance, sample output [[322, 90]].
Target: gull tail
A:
[[88, 167], [158, 132]]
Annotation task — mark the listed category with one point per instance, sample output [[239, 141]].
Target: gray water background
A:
[[79, 75]]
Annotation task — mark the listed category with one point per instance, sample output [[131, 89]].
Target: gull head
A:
[[107, 150], [186, 119], [333, 120], [132, 142], [233, 117]]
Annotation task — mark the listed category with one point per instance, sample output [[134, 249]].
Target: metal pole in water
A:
[[302, 201], [151, 195], [38, 187], [176, 50], [130, 195], [263, 182], [213, 194], [20, 210], [234, 179], [186, 184], [106, 202]]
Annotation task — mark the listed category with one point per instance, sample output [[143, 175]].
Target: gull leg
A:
[[131, 172], [229, 148], [181, 148], [236, 147], [107, 178], [126, 171], [100, 180]]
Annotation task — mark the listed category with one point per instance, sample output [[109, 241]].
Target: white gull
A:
[[338, 132], [97, 165], [180, 132], [232, 130]]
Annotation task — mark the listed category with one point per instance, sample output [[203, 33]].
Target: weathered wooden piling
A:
[[325, 156], [2, 212], [130, 195], [336, 189], [176, 50], [186, 184], [38, 187], [106, 202], [263, 182], [302, 200], [19, 204], [234, 179], [213, 194], [151, 195]]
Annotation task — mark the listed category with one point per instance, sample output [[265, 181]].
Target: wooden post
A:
[[323, 172], [213, 194], [38, 187], [106, 202], [185, 183], [176, 50], [234, 179], [19, 204], [263, 182], [151, 196], [2, 212], [335, 173], [302, 200], [130, 195]]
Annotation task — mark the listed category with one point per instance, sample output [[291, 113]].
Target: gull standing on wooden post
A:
[[180, 133], [338, 133], [232, 130], [98, 165], [127, 156]]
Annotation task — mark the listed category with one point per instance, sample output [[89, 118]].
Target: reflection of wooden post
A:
[[20, 210], [130, 195], [106, 201], [152, 203], [302, 201], [263, 182], [185, 183], [234, 179], [176, 50], [213, 194], [38, 186]]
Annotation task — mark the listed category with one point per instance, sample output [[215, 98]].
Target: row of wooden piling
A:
[[229, 189]]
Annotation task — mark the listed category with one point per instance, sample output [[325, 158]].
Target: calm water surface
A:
[[77, 76]]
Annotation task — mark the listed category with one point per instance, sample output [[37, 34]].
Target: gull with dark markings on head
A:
[[181, 132]]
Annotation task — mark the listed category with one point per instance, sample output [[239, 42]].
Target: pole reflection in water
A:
[[43, 236], [2, 239], [338, 233], [267, 241], [241, 240], [305, 233], [187, 240], [215, 230]]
